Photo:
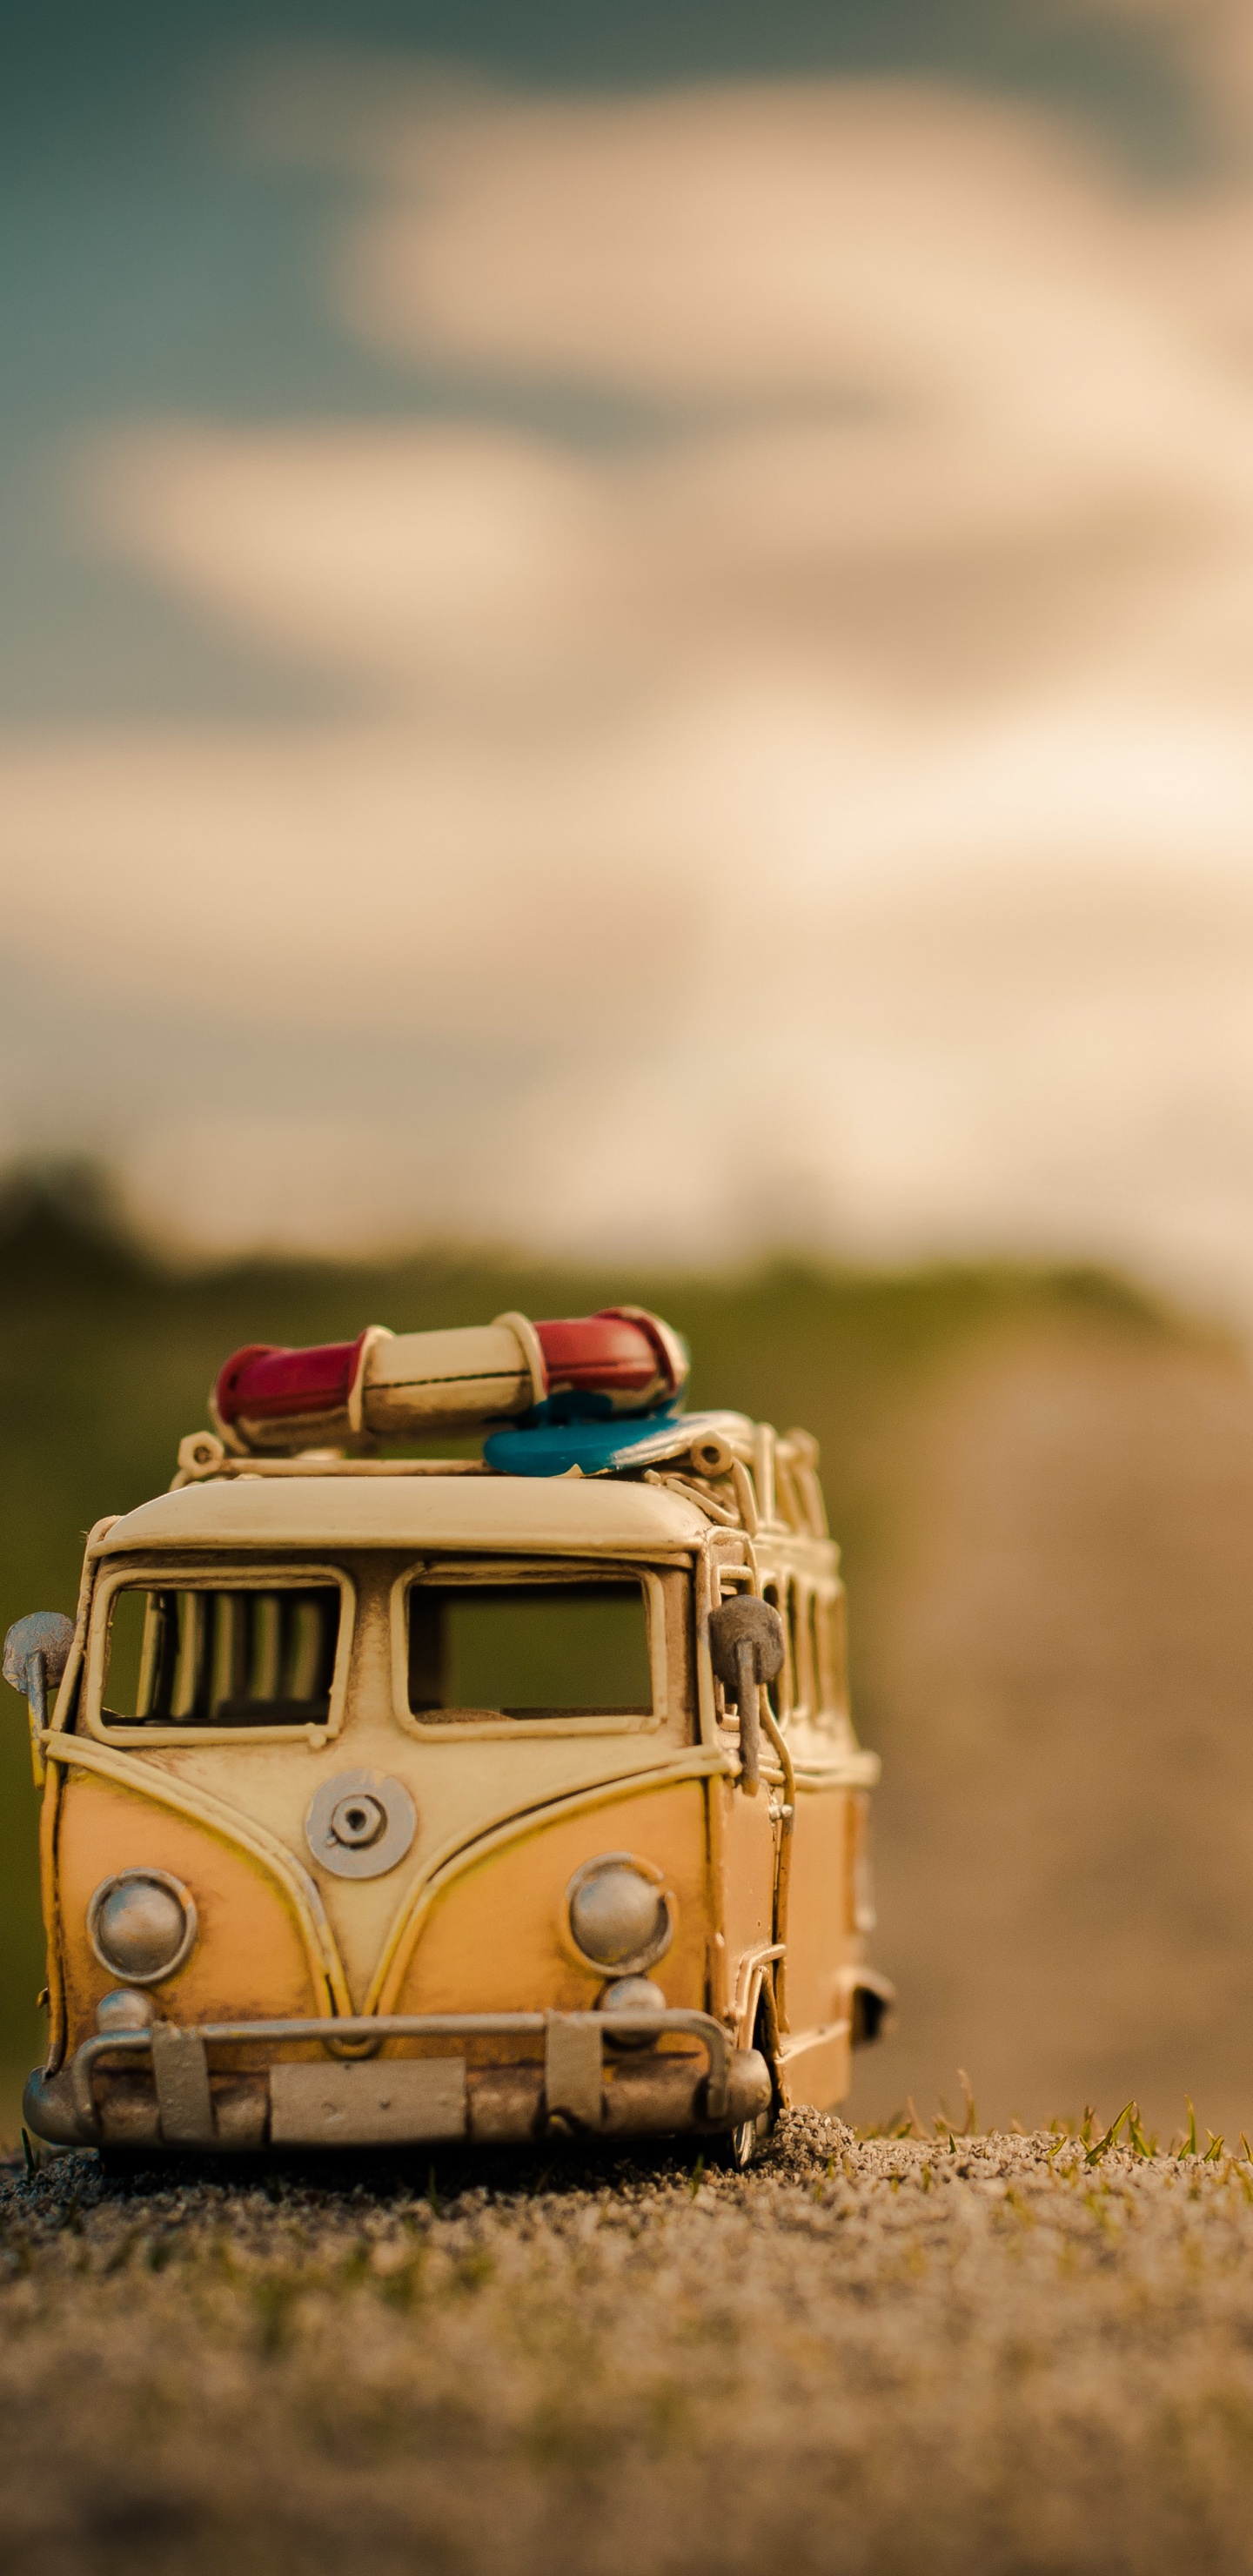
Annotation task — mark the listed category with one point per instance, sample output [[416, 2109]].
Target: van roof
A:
[[571, 1516]]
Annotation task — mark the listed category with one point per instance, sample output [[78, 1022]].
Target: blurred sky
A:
[[631, 631]]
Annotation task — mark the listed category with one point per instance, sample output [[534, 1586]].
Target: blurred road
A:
[[1058, 1658]]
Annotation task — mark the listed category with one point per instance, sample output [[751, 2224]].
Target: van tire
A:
[[739, 2148]]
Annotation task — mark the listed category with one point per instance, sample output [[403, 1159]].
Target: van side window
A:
[[190, 1656], [781, 1693], [801, 1644]]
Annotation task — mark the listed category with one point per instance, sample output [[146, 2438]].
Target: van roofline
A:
[[571, 1516]]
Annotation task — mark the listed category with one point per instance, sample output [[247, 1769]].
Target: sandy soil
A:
[[1000, 2354]]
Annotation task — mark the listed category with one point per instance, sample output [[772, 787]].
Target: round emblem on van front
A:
[[358, 1820], [360, 1823]]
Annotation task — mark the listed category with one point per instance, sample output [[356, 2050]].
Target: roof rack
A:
[[743, 1474], [585, 1395]]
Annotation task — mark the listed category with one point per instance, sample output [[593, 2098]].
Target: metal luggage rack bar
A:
[[202, 1460], [741, 1474], [573, 2044]]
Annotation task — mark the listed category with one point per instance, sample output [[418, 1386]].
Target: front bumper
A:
[[499, 2078]]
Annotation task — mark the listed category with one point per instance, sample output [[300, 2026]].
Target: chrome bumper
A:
[[160, 2090]]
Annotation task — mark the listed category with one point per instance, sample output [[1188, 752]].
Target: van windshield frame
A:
[[284, 1575], [496, 1573]]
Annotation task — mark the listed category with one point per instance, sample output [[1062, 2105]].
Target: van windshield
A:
[[528, 1650], [192, 1656]]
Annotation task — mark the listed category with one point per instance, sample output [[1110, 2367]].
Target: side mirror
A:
[[746, 1649], [36, 1652]]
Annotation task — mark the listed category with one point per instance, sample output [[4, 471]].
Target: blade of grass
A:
[[1188, 2147], [1141, 2146], [1101, 2146]]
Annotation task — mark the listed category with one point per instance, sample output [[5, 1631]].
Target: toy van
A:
[[390, 1799]]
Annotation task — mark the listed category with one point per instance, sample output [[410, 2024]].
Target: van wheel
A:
[[738, 2149]]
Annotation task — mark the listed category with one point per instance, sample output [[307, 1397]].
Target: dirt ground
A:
[[1056, 1662], [1000, 2353]]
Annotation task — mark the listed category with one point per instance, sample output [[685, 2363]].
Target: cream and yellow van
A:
[[391, 1800]]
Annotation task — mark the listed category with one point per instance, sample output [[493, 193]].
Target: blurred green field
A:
[[105, 1359]]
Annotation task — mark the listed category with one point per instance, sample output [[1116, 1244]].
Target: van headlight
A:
[[141, 1925], [619, 1912]]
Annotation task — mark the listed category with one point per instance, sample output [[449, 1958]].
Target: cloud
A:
[[826, 803], [477, 568], [973, 413]]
